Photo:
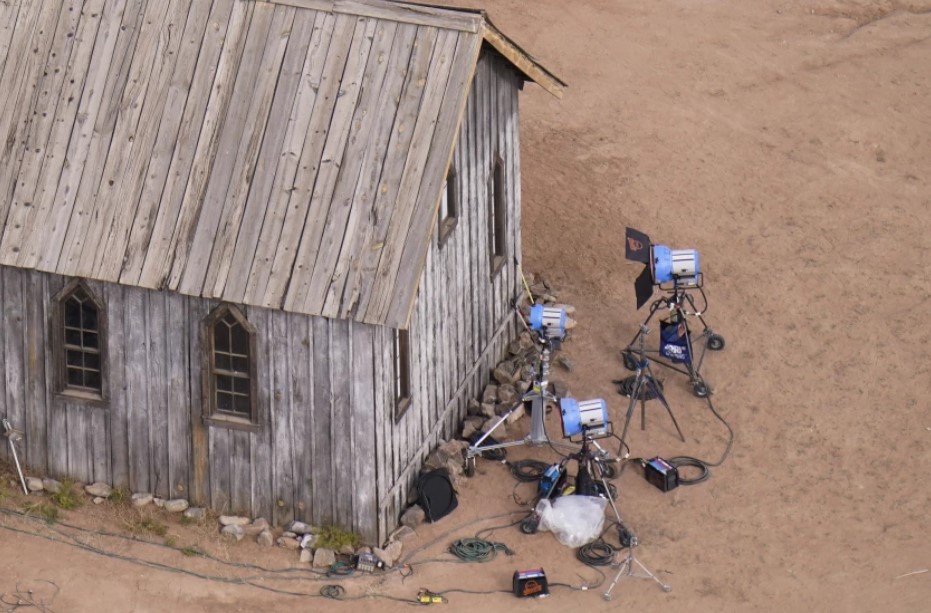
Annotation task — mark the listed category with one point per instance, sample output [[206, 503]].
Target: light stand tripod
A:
[[679, 301], [590, 480], [627, 568], [536, 396], [645, 387]]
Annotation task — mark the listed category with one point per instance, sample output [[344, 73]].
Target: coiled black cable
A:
[[625, 387], [597, 553], [527, 471]]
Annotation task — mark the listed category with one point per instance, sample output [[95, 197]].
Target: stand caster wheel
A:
[[700, 389], [667, 588], [529, 525], [715, 342], [607, 597], [609, 470], [629, 362], [469, 467]]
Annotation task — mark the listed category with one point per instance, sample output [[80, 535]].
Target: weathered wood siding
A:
[[462, 319], [311, 458], [328, 449], [276, 154]]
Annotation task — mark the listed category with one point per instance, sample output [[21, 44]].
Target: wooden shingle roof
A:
[[280, 153]]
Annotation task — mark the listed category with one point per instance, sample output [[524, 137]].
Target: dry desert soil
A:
[[787, 141]]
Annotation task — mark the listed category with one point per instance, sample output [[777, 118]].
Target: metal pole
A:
[[11, 436]]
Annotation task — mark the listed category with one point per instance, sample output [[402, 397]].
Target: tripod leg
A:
[[659, 395]]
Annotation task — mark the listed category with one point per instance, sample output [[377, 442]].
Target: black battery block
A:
[[661, 474]]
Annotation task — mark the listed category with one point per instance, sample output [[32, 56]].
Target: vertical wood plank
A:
[[179, 365], [220, 450], [137, 409], [202, 478], [342, 372], [4, 449], [322, 467], [240, 460], [118, 414], [263, 449], [282, 406], [156, 332], [14, 287], [79, 462], [300, 349], [36, 349], [364, 456], [99, 441]]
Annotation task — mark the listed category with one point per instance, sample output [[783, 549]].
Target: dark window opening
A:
[[80, 342], [449, 206], [497, 217], [402, 372], [231, 376]]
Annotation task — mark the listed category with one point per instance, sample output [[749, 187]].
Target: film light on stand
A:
[[549, 320], [585, 418]]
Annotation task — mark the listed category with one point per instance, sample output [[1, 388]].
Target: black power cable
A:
[[596, 553], [527, 471], [702, 465]]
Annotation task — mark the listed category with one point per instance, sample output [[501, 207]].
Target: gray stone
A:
[[490, 395], [100, 490], [505, 372], [508, 394], [565, 362], [51, 486], [324, 558], [347, 550], [141, 499], [571, 323], [233, 520], [390, 554], [233, 532], [196, 513], [289, 535], [468, 429], [265, 538], [364, 549], [500, 432], [256, 527], [413, 517], [34, 484], [454, 447], [568, 308], [454, 467], [176, 505], [488, 410], [402, 533], [288, 543], [517, 414], [159, 502], [99, 499], [474, 408], [299, 527], [307, 556], [436, 459]]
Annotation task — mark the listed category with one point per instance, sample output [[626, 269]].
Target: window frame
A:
[[60, 348], [211, 414], [449, 221], [497, 216], [401, 371]]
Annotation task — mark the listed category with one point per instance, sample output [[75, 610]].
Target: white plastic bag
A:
[[573, 520]]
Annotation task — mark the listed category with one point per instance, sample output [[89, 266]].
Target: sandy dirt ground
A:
[[789, 143]]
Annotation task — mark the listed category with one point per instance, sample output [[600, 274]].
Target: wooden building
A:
[[254, 253]]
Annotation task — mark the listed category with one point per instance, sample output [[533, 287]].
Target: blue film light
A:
[[551, 320], [675, 265], [586, 416]]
